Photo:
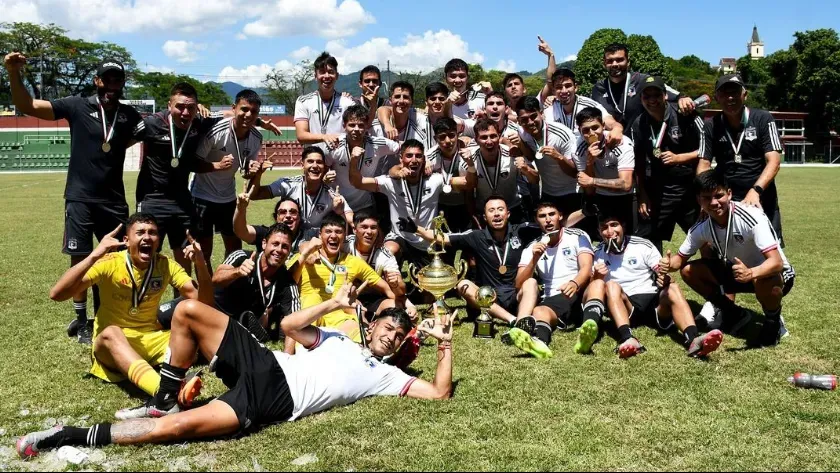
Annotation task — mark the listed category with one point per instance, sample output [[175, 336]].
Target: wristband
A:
[[758, 189], [576, 284], [259, 122], [442, 346]]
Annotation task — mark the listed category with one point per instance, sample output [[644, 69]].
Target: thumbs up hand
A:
[[741, 272]]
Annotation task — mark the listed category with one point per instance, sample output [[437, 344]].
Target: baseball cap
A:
[[655, 82], [110, 65], [728, 79]]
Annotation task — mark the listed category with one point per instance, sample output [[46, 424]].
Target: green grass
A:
[[659, 411]]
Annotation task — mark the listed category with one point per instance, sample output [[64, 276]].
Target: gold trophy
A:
[[484, 327], [438, 278]]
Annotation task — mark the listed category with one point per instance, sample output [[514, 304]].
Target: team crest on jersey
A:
[[72, 244], [320, 208], [750, 134], [676, 133], [121, 118], [155, 284], [631, 91], [340, 269], [505, 174], [515, 243], [739, 238], [567, 252], [632, 261]]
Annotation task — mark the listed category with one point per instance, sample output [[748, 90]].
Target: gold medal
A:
[[175, 162], [657, 152], [502, 269], [106, 147], [134, 311]]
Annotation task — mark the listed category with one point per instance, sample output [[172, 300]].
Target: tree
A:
[[693, 77], [286, 85], [589, 67], [645, 56], [156, 86], [59, 65], [756, 76]]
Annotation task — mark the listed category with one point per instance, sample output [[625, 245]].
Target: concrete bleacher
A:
[[282, 153], [34, 150]]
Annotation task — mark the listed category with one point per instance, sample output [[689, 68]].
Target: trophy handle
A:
[[412, 274], [464, 267]]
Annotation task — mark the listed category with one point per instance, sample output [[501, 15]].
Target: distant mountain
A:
[[232, 88]]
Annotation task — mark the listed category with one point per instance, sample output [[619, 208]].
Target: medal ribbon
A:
[[138, 294], [414, 202], [324, 118], [657, 139], [268, 297], [744, 118], [725, 247], [495, 180], [305, 205], [560, 111], [108, 134], [177, 154], [502, 259], [331, 267], [447, 177], [242, 161], [626, 89]]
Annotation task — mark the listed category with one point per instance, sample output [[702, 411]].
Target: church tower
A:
[[755, 48]]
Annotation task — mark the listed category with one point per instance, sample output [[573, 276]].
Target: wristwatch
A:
[[758, 189]]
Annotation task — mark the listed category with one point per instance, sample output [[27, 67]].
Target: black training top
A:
[[482, 245], [625, 112], [244, 294], [94, 175]]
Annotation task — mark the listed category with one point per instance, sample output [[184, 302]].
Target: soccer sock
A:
[[543, 332], [624, 333], [774, 315], [144, 376], [81, 310], [97, 436], [594, 310], [690, 333], [170, 383]]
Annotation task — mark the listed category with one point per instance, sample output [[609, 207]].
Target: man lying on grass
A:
[[267, 387]]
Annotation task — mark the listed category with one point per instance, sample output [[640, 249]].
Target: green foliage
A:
[[156, 86], [693, 76], [646, 57], [285, 86], [68, 65], [589, 67], [756, 75]]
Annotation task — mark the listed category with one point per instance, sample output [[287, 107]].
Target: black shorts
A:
[[563, 308], [259, 392], [644, 311], [173, 220], [84, 220], [409, 253], [212, 215], [457, 217], [723, 273], [668, 212], [506, 298], [567, 204]]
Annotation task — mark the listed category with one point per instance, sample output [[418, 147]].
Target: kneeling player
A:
[[750, 259], [626, 273], [127, 339], [266, 387]]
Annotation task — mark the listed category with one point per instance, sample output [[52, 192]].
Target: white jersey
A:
[[751, 238], [401, 195], [418, 127], [381, 260], [620, 158], [634, 269], [220, 186], [559, 264], [338, 159], [323, 117], [336, 372], [507, 128], [502, 178], [474, 103], [448, 169], [314, 207], [555, 182], [556, 113]]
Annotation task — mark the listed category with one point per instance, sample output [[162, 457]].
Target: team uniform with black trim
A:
[[268, 387], [323, 117], [557, 266], [760, 136], [142, 329], [413, 248], [752, 236], [475, 102], [669, 188], [313, 208], [214, 193], [634, 269], [557, 114], [501, 179], [338, 159], [624, 101], [418, 127], [452, 204], [94, 193], [163, 190], [557, 186]]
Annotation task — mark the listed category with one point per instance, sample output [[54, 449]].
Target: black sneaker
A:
[[85, 333], [770, 334], [73, 328], [527, 324], [249, 321]]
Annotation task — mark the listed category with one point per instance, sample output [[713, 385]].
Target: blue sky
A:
[[240, 40]]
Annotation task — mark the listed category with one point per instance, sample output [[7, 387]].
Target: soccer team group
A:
[[526, 183]]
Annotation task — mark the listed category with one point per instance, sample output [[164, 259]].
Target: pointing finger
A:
[[540, 38], [116, 230], [190, 238]]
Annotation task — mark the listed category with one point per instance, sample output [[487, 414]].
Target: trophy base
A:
[[484, 329]]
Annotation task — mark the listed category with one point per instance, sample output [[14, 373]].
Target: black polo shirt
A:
[[481, 243], [633, 106], [760, 137], [158, 180], [244, 293], [93, 175], [683, 134]]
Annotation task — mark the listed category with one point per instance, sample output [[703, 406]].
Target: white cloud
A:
[[323, 18], [303, 53], [241, 36], [507, 66], [182, 51], [570, 57], [254, 75], [153, 68]]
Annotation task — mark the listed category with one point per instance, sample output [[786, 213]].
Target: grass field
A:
[[658, 411]]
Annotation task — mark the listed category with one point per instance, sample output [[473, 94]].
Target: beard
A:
[[109, 96]]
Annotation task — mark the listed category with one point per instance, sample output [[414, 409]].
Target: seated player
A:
[[315, 198], [562, 259], [605, 172], [323, 267], [497, 248], [127, 339], [749, 258], [286, 211], [413, 197], [266, 387], [626, 273]]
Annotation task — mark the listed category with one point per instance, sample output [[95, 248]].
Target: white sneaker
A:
[[708, 312], [783, 331]]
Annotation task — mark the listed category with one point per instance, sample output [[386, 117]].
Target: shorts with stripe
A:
[[645, 311]]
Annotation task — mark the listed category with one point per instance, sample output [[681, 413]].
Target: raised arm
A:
[[385, 114], [241, 229], [75, 279], [441, 388], [356, 179], [24, 102], [550, 69], [527, 271], [227, 273], [298, 325], [204, 292]]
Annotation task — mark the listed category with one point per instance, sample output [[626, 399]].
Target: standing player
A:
[[749, 257], [370, 80], [745, 144], [567, 103], [100, 130], [445, 158], [666, 145], [396, 127], [605, 172], [128, 340], [318, 114], [619, 92], [562, 259], [232, 144], [465, 100]]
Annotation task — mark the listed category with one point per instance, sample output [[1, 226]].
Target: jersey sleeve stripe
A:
[[744, 215], [770, 248], [319, 336], [407, 386], [774, 136], [234, 256]]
